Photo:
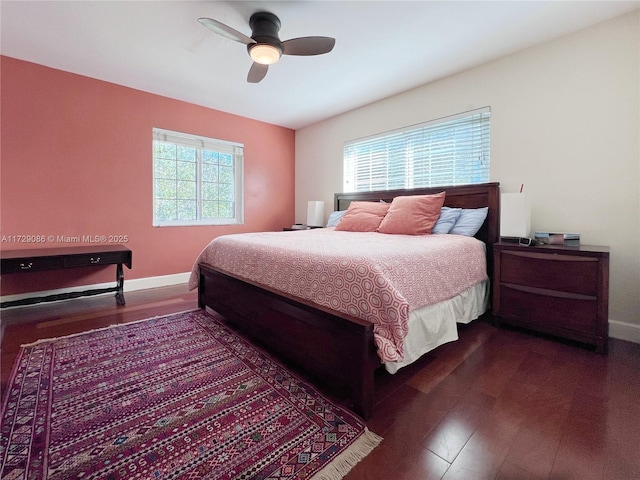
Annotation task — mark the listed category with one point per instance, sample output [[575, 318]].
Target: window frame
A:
[[201, 143], [383, 150]]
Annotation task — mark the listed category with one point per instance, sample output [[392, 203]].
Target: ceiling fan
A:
[[264, 45]]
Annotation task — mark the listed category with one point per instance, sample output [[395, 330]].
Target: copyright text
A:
[[65, 238]]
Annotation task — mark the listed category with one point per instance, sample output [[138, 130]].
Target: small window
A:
[[196, 180], [448, 151]]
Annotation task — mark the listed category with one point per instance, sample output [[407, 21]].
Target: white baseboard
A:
[[129, 286], [153, 282], [624, 331]]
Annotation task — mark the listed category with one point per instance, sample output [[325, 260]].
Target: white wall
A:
[[565, 122]]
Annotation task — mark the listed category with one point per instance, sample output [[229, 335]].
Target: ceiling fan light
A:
[[264, 54]]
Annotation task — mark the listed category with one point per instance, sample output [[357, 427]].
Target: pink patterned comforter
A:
[[372, 276]]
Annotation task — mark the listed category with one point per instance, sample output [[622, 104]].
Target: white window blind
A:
[[448, 151], [196, 180]]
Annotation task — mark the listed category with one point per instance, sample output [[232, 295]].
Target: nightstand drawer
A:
[[566, 273], [27, 264], [578, 313]]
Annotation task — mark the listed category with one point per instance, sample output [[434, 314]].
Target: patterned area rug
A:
[[175, 397]]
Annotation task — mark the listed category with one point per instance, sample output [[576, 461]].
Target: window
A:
[[196, 180], [448, 151]]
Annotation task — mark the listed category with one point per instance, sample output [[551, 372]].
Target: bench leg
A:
[[120, 281]]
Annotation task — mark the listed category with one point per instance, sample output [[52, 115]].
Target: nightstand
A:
[[563, 291], [289, 229]]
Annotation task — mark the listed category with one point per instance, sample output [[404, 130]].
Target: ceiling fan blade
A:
[[225, 30], [308, 45], [257, 72]]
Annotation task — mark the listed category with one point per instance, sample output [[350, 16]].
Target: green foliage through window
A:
[[197, 180]]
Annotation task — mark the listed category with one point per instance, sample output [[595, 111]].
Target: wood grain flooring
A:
[[497, 404]]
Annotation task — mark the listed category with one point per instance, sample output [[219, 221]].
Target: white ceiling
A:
[[382, 47]]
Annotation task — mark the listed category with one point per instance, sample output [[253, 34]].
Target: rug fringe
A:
[[343, 463], [113, 325]]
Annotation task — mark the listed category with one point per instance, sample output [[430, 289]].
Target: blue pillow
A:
[[470, 221], [447, 220], [335, 217]]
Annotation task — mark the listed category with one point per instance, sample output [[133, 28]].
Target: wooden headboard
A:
[[461, 196]]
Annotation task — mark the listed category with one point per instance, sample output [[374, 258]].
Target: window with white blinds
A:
[[196, 180], [448, 151]]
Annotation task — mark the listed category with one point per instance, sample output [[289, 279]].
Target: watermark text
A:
[[48, 238]]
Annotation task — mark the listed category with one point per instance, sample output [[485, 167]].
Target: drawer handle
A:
[[26, 266], [95, 260]]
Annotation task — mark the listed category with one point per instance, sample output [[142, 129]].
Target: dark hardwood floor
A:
[[497, 404]]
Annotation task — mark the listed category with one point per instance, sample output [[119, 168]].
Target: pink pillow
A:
[[412, 215], [363, 216]]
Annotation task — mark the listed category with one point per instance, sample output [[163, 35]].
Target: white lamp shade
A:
[[515, 215], [315, 213]]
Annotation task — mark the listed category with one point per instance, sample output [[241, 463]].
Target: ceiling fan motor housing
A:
[[264, 29]]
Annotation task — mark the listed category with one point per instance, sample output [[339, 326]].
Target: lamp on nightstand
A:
[[315, 213], [515, 215]]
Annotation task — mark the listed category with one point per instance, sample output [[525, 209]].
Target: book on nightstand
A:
[[555, 238]]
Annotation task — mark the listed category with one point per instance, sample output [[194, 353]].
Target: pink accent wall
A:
[[76, 159]]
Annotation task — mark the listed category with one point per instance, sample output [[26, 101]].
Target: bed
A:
[[338, 348]]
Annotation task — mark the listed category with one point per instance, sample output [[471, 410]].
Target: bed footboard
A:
[[336, 349]]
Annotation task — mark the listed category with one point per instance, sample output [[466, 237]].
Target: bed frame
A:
[[335, 349]]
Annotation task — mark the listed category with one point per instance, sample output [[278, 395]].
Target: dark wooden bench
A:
[[40, 259]]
